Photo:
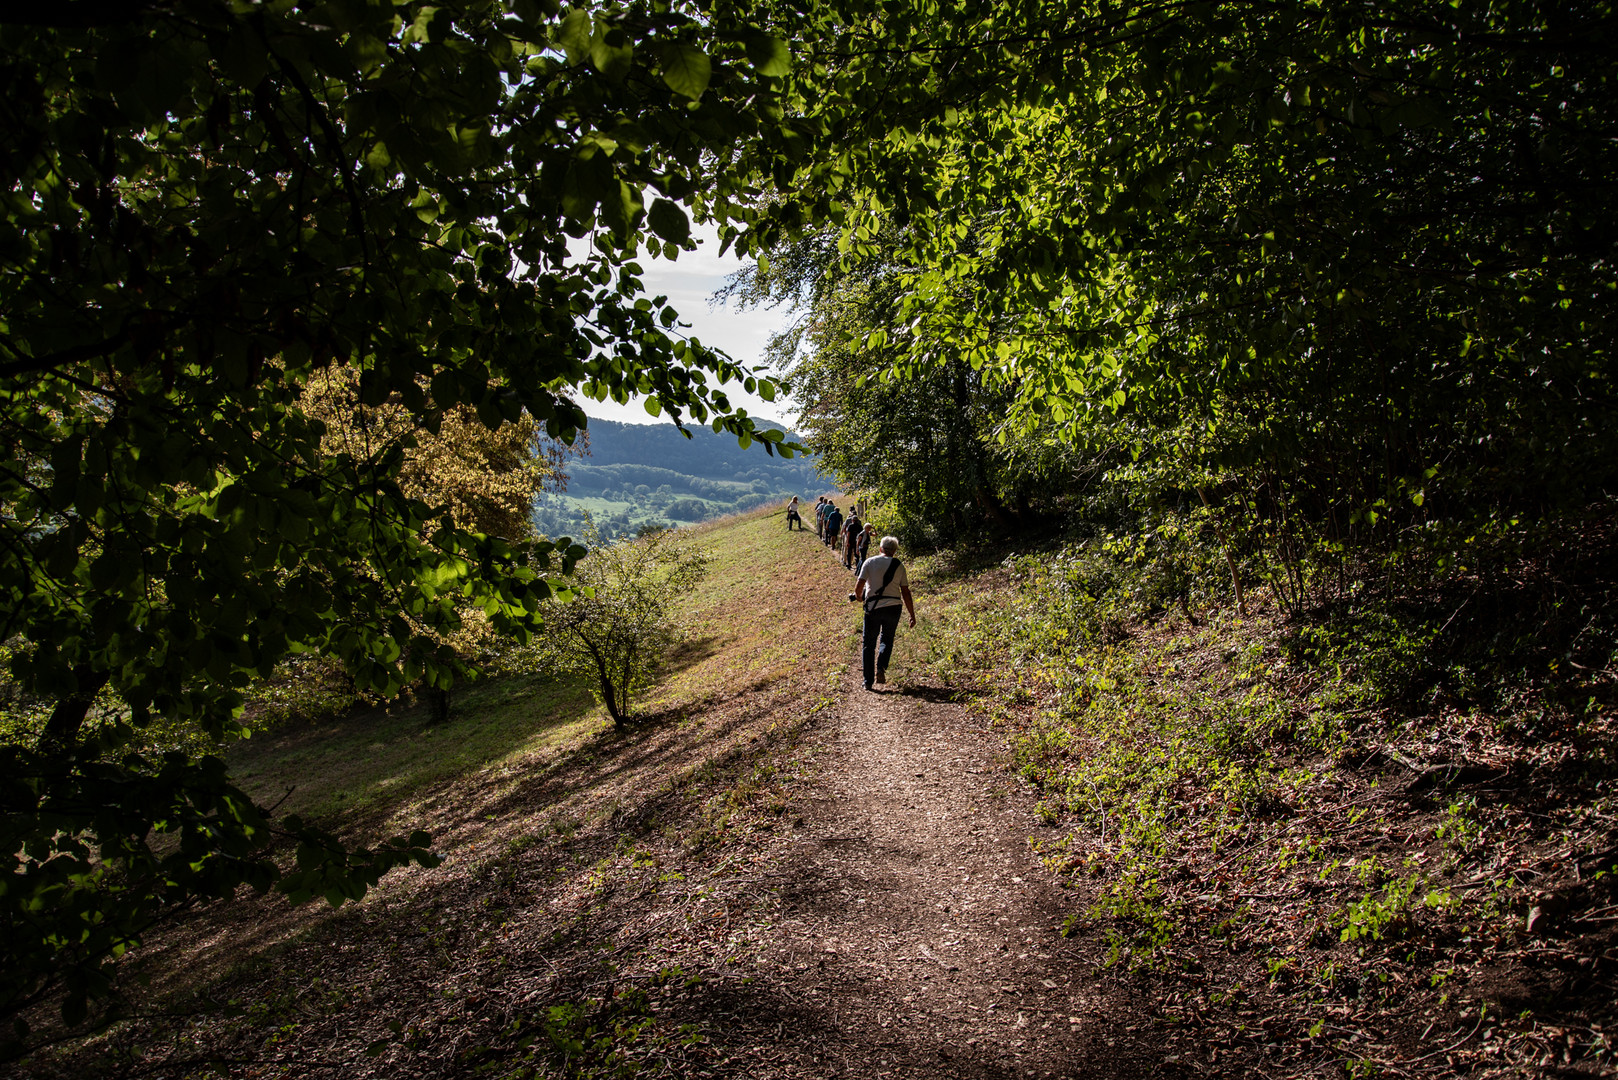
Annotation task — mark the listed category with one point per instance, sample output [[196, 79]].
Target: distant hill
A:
[[651, 474]]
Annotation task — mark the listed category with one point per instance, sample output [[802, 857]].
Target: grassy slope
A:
[[377, 761], [1310, 878], [567, 844]]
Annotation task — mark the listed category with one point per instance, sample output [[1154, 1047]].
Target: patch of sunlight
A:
[[369, 761]]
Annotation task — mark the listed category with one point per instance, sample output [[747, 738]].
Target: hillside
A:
[[1063, 841], [635, 475], [585, 869], [1287, 834]]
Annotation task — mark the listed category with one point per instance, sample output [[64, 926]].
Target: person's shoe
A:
[[868, 686], [882, 678]]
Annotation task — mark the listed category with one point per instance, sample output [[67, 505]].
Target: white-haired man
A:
[[885, 589]]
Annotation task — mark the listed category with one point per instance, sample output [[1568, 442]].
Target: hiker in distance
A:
[[883, 587], [834, 528], [793, 515], [862, 547], [820, 516], [851, 531]]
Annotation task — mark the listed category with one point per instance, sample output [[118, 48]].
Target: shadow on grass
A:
[[611, 783], [689, 653], [489, 763], [951, 565], [648, 745], [358, 771], [361, 763], [937, 695]]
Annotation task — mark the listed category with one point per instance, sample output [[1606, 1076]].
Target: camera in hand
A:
[[852, 599]]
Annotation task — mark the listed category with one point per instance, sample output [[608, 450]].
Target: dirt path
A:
[[918, 930]]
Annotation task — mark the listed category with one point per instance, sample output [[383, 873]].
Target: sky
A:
[[690, 284]]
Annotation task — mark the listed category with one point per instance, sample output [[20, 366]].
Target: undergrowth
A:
[[1323, 810]]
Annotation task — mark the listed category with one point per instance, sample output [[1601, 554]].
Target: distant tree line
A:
[[585, 478], [701, 454]]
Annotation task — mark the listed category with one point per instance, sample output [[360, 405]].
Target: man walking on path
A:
[[820, 517], [884, 587], [834, 526], [792, 515], [862, 546], [845, 543]]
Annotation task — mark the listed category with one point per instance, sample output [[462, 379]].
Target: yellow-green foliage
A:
[[617, 632]]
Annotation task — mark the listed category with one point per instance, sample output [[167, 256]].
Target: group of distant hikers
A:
[[880, 582]]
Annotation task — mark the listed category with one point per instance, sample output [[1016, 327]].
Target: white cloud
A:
[[690, 283]]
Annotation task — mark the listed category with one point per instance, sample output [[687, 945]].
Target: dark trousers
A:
[[792, 515], [881, 627]]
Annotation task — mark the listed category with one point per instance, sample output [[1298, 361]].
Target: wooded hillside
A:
[[636, 475]]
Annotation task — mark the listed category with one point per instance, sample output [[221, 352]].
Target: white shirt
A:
[[872, 573]]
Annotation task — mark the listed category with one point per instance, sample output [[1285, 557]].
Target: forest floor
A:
[[777, 875]]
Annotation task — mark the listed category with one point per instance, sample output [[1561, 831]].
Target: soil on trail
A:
[[916, 926]]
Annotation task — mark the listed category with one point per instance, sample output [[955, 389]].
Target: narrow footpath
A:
[[918, 933]]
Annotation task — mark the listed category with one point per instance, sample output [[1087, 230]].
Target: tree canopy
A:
[[1347, 259], [206, 204]]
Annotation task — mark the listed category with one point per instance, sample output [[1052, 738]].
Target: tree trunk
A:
[[62, 729], [439, 699], [609, 692]]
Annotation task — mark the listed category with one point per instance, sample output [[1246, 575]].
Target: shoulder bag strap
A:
[[887, 578]]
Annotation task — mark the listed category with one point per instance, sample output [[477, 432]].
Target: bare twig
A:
[[1453, 1046]]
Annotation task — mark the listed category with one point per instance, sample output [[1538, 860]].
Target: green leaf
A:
[[573, 35], [590, 181], [611, 51], [668, 220], [620, 213], [769, 54], [686, 69]]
